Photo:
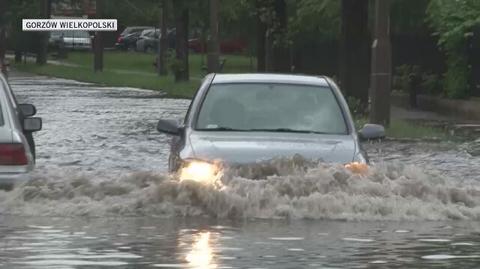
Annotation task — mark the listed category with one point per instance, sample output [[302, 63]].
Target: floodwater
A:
[[101, 198]]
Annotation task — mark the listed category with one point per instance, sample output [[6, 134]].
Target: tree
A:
[[453, 22], [354, 49], [43, 46], [272, 43], [261, 37], [181, 13], [98, 41], [163, 41], [213, 44], [3, 34]]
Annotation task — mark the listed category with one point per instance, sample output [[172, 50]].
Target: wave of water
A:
[[321, 191]]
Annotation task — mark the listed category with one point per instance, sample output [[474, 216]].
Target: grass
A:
[[132, 69], [405, 129]]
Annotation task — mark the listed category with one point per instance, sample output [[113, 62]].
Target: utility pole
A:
[[98, 40], [381, 65], [43, 46], [213, 46], [162, 41]]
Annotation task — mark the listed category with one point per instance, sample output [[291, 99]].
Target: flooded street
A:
[[101, 197]]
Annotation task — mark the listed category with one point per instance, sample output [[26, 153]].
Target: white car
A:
[[246, 118], [17, 148], [74, 40]]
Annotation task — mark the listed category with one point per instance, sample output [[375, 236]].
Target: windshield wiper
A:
[[287, 130]]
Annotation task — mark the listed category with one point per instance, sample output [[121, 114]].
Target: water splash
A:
[[314, 191]]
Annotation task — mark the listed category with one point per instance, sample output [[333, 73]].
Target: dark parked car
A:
[[148, 40], [227, 46], [128, 38]]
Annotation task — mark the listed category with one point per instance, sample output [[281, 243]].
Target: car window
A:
[[262, 106], [147, 33], [80, 34], [5, 88]]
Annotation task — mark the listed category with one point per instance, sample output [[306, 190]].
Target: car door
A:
[[20, 116]]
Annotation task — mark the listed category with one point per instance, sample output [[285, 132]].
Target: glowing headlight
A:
[[200, 171], [358, 168]]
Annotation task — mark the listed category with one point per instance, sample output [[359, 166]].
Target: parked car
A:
[[17, 147], [245, 118], [77, 40], [227, 46], [148, 40], [74, 40], [128, 38]]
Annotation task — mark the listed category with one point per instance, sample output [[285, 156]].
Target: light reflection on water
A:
[[204, 244], [82, 121], [201, 256]]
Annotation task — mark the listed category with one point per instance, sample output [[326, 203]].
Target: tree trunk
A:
[[3, 38], [43, 46], [181, 22], [3, 48], [261, 40], [213, 44], [381, 65], [98, 41], [355, 49], [280, 52], [163, 41]]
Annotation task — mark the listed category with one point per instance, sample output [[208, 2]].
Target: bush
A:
[[432, 83], [452, 21], [428, 82], [457, 76], [356, 106], [403, 77]]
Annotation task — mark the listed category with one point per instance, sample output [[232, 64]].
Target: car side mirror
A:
[[371, 131], [28, 110], [32, 124], [170, 127]]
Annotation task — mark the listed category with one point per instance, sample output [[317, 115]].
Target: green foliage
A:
[[457, 76], [315, 16], [432, 83], [408, 16], [404, 75], [357, 107], [453, 22]]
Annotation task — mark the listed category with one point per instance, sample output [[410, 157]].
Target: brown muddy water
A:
[[101, 198]]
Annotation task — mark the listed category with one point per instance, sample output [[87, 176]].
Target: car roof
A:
[[270, 78]]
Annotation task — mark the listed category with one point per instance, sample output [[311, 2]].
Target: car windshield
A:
[[271, 107]]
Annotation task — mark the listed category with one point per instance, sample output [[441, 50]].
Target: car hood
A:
[[242, 147]]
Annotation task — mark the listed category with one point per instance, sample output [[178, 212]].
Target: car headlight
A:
[[200, 171], [357, 167]]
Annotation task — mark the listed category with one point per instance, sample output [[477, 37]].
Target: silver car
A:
[[74, 40], [248, 118], [17, 148]]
